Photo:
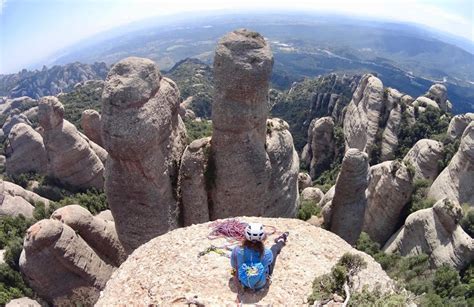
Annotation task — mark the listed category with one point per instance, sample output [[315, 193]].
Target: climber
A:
[[253, 263]]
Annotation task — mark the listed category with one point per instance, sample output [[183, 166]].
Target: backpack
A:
[[251, 272]]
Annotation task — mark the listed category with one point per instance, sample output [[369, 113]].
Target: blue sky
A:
[[30, 30]]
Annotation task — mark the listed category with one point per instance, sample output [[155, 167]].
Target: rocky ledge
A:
[[167, 269]]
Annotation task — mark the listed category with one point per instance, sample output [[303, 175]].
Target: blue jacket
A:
[[237, 259]]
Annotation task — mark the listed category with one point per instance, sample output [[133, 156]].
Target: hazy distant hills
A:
[[405, 57], [410, 47]]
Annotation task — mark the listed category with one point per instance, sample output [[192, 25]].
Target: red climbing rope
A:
[[232, 229]]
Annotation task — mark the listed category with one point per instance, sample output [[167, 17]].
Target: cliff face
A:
[[167, 269]]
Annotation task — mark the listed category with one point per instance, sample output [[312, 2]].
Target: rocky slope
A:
[[195, 81], [167, 270]]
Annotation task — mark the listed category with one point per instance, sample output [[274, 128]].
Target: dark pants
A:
[[276, 249]]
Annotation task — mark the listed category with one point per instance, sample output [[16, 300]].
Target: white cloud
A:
[[2, 5]]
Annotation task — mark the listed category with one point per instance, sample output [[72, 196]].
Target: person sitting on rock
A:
[[253, 263]]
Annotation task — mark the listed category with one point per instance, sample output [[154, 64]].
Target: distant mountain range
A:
[[50, 81], [403, 56]]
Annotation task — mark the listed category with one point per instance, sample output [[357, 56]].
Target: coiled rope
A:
[[233, 229]]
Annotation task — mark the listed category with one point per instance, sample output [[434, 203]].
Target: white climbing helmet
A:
[[254, 232]]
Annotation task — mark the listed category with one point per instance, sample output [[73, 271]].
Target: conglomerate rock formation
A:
[[437, 233], [424, 157], [350, 202], [321, 145], [154, 275], [389, 190], [25, 151], [71, 158], [194, 182], [395, 102], [361, 121], [457, 125], [70, 257], [242, 160], [456, 181], [438, 93], [91, 124], [145, 138], [14, 200], [250, 164]]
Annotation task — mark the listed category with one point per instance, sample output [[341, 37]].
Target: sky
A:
[[31, 30]]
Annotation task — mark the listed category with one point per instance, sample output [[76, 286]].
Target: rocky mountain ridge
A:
[[50, 81]]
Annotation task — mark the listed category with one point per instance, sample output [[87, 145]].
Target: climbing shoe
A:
[[283, 237]]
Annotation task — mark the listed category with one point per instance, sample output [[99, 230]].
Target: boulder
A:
[[20, 103], [9, 188], [456, 180], [60, 266], [145, 138], [23, 302], [304, 181], [424, 157], [361, 121], [15, 206], [457, 125], [105, 215], [423, 102], [25, 151], [91, 125], [321, 145], [12, 120], [195, 180], [70, 157], [389, 190], [184, 109], [349, 202], [437, 233], [438, 93], [153, 275], [32, 115], [250, 155], [312, 194], [99, 233]]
